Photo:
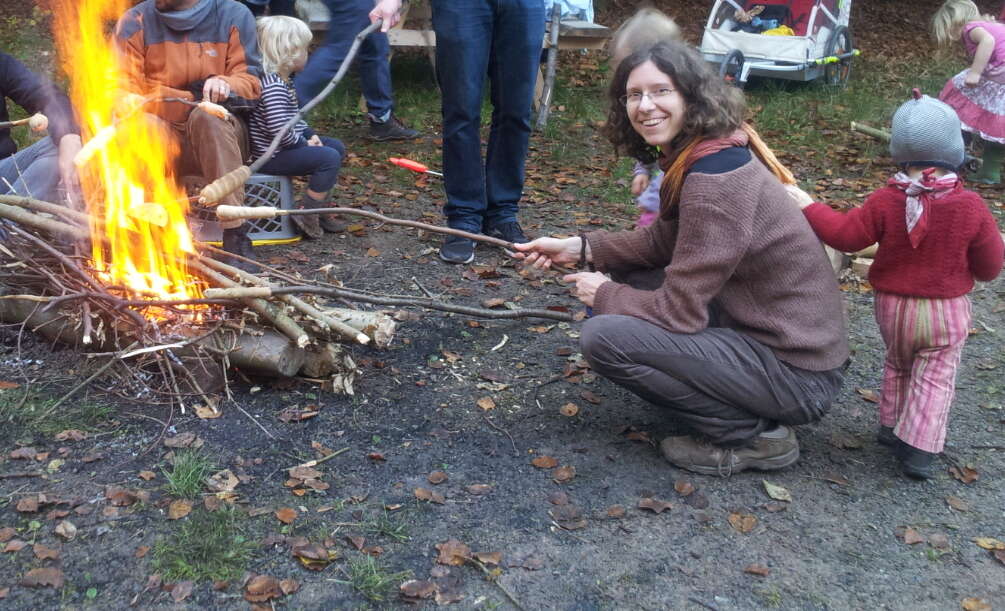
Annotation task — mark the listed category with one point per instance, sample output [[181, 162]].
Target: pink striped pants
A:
[[924, 341]]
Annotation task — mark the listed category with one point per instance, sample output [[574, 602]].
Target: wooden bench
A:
[[415, 31]]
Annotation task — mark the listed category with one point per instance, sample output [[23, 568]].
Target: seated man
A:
[[36, 170], [197, 50]]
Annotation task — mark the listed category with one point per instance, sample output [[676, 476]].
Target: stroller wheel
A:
[[731, 68], [840, 43]]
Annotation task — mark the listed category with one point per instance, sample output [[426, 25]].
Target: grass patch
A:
[[368, 577], [388, 526], [29, 414], [190, 468], [208, 545]]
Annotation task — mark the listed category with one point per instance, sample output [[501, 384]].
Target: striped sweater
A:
[[277, 105]]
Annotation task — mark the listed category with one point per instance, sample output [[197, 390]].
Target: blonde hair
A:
[[948, 21], [282, 39], [643, 29]]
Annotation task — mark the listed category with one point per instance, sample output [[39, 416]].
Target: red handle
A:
[[408, 164]]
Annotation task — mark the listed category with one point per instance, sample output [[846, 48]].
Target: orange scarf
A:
[[673, 177]]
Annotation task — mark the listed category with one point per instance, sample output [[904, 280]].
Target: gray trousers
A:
[[32, 172], [717, 383]]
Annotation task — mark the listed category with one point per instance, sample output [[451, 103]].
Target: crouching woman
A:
[[724, 312]]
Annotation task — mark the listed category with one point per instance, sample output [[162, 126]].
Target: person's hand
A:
[[586, 285], [639, 184], [69, 146], [802, 198], [215, 89], [542, 253], [388, 10], [971, 79], [314, 141]]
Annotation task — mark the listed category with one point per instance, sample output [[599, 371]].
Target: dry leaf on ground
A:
[[66, 529], [912, 537], [868, 394], [286, 515], [975, 604], [453, 552], [415, 589], [486, 403], [182, 590], [425, 494], [544, 462], [179, 509], [6, 534], [493, 558], [146, 475], [757, 569], [436, 477], [966, 474], [558, 498], [569, 409], [654, 505], [616, 512], [742, 522], [683, 487], [563, 474], [71, 435], [957, 503], [45, 553], [479, 489], [989, 543], [776, 492], [48, 576], [262, 588], [14, 546]]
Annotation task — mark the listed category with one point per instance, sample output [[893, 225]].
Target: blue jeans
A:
[[32, 172], [321, 163], [501, 38], [349, 18]]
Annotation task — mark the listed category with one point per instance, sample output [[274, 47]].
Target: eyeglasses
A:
[[634, 99]]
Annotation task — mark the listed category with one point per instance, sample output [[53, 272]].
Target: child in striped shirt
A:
[[935, 238], [283, 42]]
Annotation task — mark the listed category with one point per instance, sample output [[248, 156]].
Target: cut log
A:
[[378, 326]]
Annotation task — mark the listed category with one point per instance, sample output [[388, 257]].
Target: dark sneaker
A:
[[887, 438], [511, 232], [771, 450], [917, 464], [456, 249], [392, 129]]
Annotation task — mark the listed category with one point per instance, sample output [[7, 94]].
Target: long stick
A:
[[549, 79], [878, 134], [225, 213]]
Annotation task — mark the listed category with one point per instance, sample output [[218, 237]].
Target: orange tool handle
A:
[[408, 164]]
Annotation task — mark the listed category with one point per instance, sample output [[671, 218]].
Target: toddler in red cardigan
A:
[[934, 238]]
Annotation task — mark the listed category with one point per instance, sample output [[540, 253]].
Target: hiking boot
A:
[[237, 242], [511, 232], [392, 129], [308, 224], [456, 249], [331, 223], [771, 450], [887, 438], [991, 168], [917, 464]]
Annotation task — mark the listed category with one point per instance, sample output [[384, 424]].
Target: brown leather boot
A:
[[770, 450], [308, 224]]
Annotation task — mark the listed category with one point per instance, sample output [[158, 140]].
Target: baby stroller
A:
[[800, 40]]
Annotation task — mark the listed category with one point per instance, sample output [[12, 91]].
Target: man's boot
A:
[[308, 224], [991, 169], [237, 242], [331, 223]]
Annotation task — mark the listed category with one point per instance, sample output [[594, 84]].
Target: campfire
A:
[[120, 276]]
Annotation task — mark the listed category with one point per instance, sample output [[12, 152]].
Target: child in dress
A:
[[978, 93], [646, 27], [283, 42], [935, 238]]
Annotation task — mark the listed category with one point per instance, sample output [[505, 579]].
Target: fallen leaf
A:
[[989, 543], [356, 542], [912, 537], [558, 498], [757, 569], [563, 474], [141, 551], [146, 475], [615, 512], [938, 540], [5, 385], [56, 514], [289, 586], [376, 456], [775, 507], [286, 515], [25, 453], [27, 504], [45, 553], [478, 489], [71, 435], [304, 473], [222, 481], [966, 474], [14, 546], [776, 492], [4, 592], [261, 588], [372, 252], [844, 441], [453, 552], [436, 477], [314, 556], [48, 576], [6, 534], [957, 503], [493, 302], [975, 604], [836, 478], [683, 487], [182, 590], [569, 409], [425, 494], [220, 585], [183, 440], [486, 403], [66, 529], [544, 462], [589, 396], [179, 509], [491, 558], [742, 522], [654, 505], [999, 555], [295, 414], [418, 590], [207, 412], [868, 394]]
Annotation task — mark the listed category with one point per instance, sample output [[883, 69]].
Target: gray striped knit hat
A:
[[926, 132]]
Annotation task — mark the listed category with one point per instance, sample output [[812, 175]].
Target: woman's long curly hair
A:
[[713, 107]]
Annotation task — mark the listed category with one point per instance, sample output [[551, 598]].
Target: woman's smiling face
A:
[[654, 106]]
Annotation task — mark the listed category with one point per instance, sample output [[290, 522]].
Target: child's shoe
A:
[[887, 438], [308, 224], [917, 464]]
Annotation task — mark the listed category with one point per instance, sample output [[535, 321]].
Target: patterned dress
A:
[[981, 108]]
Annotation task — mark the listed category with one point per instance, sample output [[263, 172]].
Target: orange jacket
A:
[[165, 52]]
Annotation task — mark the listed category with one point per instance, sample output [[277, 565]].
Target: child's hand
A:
[[314, 141], [972, 78], [802, 198], [639, 184]]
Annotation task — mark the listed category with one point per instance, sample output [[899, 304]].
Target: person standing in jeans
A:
[[501, 39], [347, 18]]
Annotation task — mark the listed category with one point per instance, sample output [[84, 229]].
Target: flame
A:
[[131, 162]]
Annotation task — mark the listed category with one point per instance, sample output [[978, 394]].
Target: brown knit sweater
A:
[[740, 240]]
